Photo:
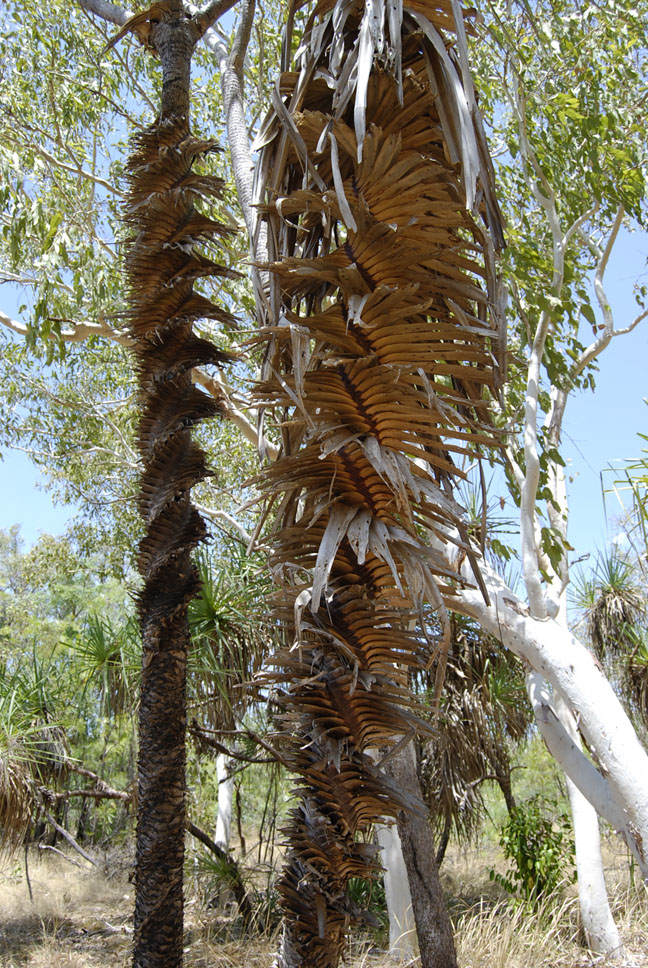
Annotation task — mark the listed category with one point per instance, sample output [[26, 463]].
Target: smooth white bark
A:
[[225, 799], [619, 789], [402, 929], [601, 932]]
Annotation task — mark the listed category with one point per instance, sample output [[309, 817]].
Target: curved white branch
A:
[[216, 387], [111, 12], [218, 515], [551, 651], [81, 331]]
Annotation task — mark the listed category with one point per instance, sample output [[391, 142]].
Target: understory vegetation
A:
[[81, 916]]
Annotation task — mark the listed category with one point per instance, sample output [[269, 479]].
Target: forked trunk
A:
[[433, 926]]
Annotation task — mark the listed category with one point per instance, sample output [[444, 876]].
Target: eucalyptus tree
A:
[[572, 174]]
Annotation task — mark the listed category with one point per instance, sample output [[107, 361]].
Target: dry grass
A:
[[80, 918]]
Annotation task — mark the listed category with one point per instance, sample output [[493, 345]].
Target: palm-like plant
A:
[[612, 601], [33, 747], [483, 710], [382, 345], [18, 763], [108, 661], [230, 635], [163, 262]]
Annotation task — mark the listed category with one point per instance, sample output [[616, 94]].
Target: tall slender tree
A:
[[162, 264]]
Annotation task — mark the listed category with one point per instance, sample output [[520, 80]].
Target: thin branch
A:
[[242, 38], [232, 868], [70, 839], [216, 514], [609, 332], [199, 732], [97, 780], [208, 17], [55, 850], [81, 331], [91, 795], [77, 170], [216, 387]]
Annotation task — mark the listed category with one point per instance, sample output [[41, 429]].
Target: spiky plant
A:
[[637, 673], [230, 635], [18, 767], [483, 709], [108, 659], [382, 339], [616, 604], [33, 746], [162, 265]]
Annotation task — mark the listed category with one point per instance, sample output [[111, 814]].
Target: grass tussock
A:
[[80, 918]]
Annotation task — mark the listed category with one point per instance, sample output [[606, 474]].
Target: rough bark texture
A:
[[433, 926], [162, 265]]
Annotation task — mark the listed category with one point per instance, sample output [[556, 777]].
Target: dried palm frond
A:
[[17, 791], [383, 341]]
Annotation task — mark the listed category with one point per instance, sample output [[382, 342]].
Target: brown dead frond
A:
[[16, 798], [382, 333]]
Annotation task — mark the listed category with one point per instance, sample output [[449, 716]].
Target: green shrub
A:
[[538, 842]]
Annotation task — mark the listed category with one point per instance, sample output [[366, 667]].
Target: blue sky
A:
[[600, 427]]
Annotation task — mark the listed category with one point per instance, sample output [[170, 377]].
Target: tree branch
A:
[[70, 839], [215, 386], [81, 331], [74, 170], [208, 17], [242, 39], [231, 867], [111, 12]]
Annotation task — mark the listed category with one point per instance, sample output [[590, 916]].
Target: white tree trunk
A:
[[402, 929], [225, 796], [619, 790], [601, 932]]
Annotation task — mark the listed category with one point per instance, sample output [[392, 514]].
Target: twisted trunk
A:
[[162, 265]]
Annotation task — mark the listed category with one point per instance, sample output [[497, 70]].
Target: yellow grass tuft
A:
[[81, 918]]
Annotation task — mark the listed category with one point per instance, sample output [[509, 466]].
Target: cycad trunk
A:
[[162, 266], [380, 340]]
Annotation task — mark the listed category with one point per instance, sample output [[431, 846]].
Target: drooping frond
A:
[[483, 710], [383, 346]]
